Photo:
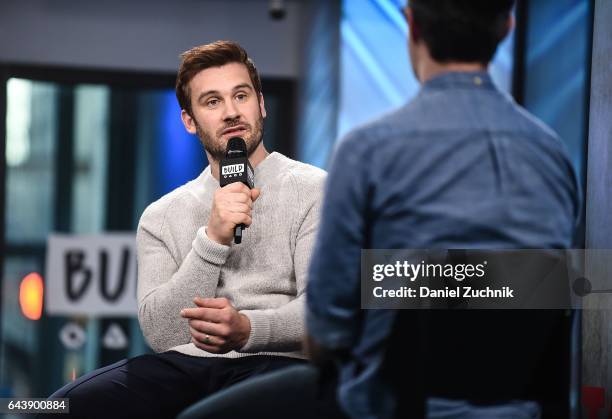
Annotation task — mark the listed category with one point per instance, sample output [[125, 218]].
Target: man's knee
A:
[[86, 392], [61, 392]]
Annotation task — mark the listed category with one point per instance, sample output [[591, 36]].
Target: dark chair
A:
[[489, 356]]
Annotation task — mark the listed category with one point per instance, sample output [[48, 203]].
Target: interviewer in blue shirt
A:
[[459, 166]]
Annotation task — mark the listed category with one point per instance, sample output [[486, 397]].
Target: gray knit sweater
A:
[[264, 277]]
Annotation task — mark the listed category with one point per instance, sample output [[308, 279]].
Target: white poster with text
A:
[[91, 275]]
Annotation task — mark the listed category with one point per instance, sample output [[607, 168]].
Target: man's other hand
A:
[[216, 326], [231, 206]]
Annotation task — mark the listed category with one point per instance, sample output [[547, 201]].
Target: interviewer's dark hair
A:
[[215, 54], [461, 30]]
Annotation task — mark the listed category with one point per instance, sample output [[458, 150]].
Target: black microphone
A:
[[235, 167]]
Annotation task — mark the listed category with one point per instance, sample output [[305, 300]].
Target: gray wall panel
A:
[[145, 35]]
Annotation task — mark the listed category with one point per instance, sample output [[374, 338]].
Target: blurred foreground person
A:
[[461, 166]]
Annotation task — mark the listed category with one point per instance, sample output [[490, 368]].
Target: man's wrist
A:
[[214, 238], [245, 330]]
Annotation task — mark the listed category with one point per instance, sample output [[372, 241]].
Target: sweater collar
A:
[[262, 172]]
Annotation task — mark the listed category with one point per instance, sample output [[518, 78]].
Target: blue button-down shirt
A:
[[459, 166]]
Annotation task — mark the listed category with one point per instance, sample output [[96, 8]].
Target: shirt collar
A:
[[454, 79]]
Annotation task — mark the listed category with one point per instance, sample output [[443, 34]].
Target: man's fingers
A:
[[209, 328], [220, 330], [206, 338], [211, 302], [240, 208], [192, 313], [255, 194], [214, 315], [208, 348], [237, 218], [241, 197], [236, 187]]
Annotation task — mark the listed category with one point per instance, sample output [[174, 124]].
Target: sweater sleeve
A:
[[282, 329], [165, 286]]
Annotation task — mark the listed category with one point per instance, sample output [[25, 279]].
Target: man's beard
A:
[[216, 149]]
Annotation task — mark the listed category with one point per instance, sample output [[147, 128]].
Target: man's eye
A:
[[212, 103], [241, 97]]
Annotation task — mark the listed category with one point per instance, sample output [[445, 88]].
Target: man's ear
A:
[[188, 122], [262, 105]]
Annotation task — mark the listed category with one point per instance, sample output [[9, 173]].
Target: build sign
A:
[[91, 275]]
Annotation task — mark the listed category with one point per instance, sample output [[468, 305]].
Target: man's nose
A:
[[231, 111]]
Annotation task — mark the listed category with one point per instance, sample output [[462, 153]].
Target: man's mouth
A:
[[237, 130]]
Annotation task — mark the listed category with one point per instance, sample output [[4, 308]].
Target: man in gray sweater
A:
[[215, 312]]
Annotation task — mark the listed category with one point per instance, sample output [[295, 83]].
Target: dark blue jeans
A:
[[299, 392], [159, 385]]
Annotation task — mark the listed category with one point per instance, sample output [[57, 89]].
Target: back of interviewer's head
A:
[[461, 30]]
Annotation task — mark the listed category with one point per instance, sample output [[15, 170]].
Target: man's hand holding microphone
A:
[[215, 325], [231, 207]]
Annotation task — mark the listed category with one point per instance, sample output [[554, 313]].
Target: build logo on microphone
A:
[[232, 170]]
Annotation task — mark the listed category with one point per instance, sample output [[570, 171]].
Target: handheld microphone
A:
[[235, 167]]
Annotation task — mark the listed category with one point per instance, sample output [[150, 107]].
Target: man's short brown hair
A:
[[462, 30], [202, 57]]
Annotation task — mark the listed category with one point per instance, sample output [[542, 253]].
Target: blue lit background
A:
[[180, 156], [376, 75], [558, 40]]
